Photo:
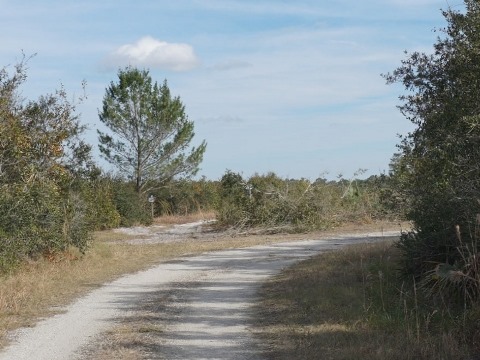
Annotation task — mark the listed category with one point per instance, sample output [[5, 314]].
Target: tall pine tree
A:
[[149, 131]]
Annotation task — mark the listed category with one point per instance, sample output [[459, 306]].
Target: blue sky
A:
[[292, 87]]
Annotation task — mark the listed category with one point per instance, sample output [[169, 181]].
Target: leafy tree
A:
[[439, 166], [41, 156], [149, 131]]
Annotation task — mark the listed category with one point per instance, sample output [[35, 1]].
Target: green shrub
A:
[[438, 170], [132, 207], [183, 197], [99, 197], [38, 219], [41, 156], [232, 207]]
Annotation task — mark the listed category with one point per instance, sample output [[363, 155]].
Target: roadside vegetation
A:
[[351, 304]]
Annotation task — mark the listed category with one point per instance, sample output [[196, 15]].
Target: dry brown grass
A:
[[125, 341], [347, 304], [182, 219], [135, 337]]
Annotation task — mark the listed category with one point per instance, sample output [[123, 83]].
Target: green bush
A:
[[41, 157], [102, 213], [38, 219], [232, 207], [132, 207], [183, 197]]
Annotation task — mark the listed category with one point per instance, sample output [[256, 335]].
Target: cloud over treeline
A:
[[152, 53]]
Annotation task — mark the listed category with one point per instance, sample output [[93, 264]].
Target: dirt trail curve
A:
[[213, 294]]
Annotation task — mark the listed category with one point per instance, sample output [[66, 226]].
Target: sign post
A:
[[151, 200]]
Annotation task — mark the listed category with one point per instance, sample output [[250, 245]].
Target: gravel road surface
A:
[[214, 293]]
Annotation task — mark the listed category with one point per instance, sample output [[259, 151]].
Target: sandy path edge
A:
[[213, 320]]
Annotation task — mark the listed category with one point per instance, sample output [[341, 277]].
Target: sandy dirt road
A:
[[207, 315]]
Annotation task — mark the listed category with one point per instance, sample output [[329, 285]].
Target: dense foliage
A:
[[439, 166], [41, 158]]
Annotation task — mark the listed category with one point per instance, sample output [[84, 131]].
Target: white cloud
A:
[[150, 52]]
